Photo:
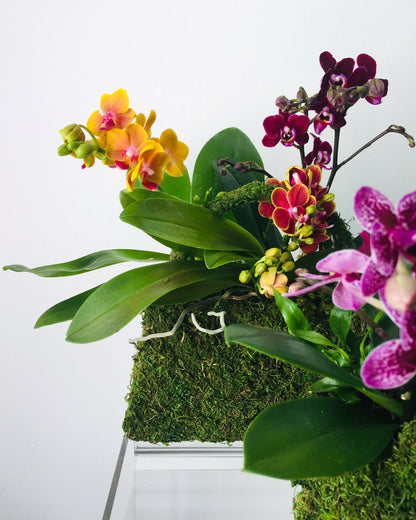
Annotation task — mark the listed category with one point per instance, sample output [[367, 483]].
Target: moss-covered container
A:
[[192, 386], [383, 490]]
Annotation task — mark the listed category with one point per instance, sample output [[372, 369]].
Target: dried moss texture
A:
[[194, 387], [383, 490]]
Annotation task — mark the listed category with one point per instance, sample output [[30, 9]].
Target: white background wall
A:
[[202, 66]]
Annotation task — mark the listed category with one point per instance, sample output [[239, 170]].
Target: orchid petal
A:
[[406, 210], [347, 298], [371, 206], [364, 60], [343, 262], [117, 102], [385, 256], [122, 120], [266, 209], [298, 195], [389, 366], [372, 280], [272, 125], [327, 61], [282, 220], [279, 198]]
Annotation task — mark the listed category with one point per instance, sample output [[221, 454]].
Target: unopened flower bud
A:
[[273, 252], [245, 276], [270, 261], [328, 197], [196, 199], [288, 266], [84, 150], [72, 133], [63, 150], [285, 257], [309, 241], [306, 231], [301, 95], [292, 246], [89, 161], [282, 102], [300, 271], [296, 286], [73, 145], [311, 210], [259, 269]]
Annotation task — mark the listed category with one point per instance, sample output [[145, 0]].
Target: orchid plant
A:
[[236, 231]]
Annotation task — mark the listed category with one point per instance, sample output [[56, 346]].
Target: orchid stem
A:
[[366, 318], [335, 166], [391, 129]]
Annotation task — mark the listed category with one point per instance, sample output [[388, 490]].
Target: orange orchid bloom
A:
[[125, 146], [146, 123], [114, 113], [150, 168], [178, 153]]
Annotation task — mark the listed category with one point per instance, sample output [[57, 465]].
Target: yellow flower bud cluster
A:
[[269, 272]]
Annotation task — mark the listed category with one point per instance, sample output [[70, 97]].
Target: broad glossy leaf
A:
[[286, 347], [232, 143], [189, 225], [140, 194], [91, 262], [214, 259], [340, 322], [293, 316], [313, 337], [63, 311], [316, 437], [119, 300], [178, 186]]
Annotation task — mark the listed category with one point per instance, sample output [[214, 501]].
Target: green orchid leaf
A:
[[326, 384], [232, 143], [140, 194], [91, 262], [178, 186], [284, 346], [223, 278], [63, 311], [340, 323], [118, 301], [293, 316], [214, 259], [189, 225], [313, 337], [316, 437]]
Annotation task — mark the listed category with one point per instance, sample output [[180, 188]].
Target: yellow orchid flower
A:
[[125, 146], [146, 123], [150, 168], [114, 113], [178, 153]]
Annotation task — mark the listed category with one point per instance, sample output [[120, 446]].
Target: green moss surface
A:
[[192, 386], [383, 490]]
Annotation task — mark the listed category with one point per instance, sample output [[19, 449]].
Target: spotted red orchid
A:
[[286, 128]]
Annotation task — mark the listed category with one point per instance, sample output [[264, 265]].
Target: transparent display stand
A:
[[198, 481]]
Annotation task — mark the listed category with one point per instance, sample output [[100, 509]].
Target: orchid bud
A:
[[273, 252], [259, 269], [71, 133], [309, 241], [306, 231], [328, 197], [245, 276], [288, 266], [292, 246], [84, 150], [285, 257], [63, 150], [282, 102]]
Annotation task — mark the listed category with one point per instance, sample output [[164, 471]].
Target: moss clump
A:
[[383, 490], [192, 386]]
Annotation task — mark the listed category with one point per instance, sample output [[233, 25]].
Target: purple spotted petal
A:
[[371, 206], [408, 331], [343, 262], [384, 253], [406, 210], [347, 297], [372, 280], [389, 366]]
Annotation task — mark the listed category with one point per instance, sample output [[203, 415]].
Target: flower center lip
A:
[[131, 153]]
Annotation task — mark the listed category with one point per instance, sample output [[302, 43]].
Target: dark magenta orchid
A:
[[286, 128], [320, 154], [393, 233], [342, 73]]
